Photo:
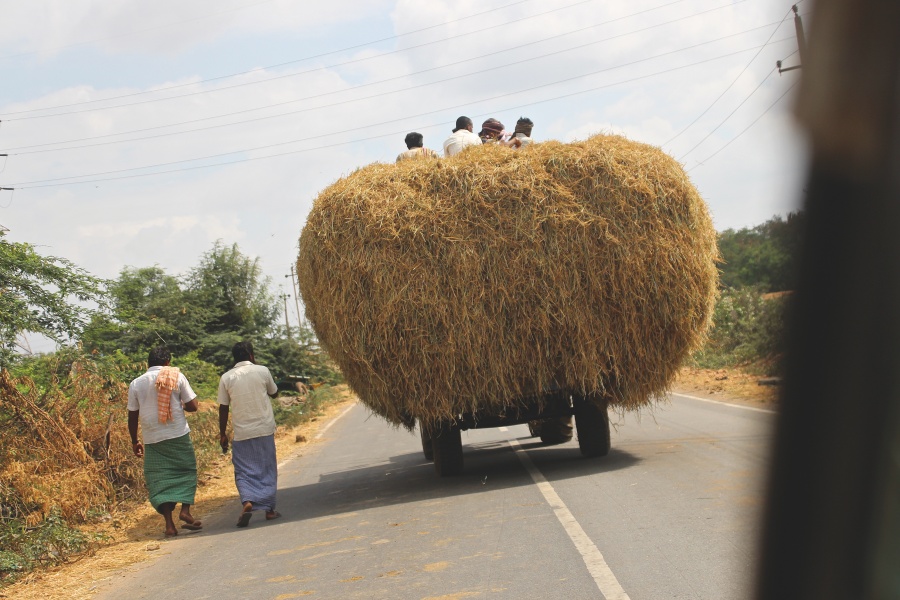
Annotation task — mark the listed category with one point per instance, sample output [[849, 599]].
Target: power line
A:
[[382, 80], [50, 182], [378, 95], [716, 128], [771, 106], [340, 64], [747, 66]]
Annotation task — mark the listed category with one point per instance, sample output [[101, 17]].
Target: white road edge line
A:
[[753, 408], [333, 421], [318, 436], [593, 559]]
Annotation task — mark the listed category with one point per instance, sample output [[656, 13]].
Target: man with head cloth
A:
[[492, 131], [522, 134]]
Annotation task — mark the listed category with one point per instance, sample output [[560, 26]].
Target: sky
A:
[[138, 133]]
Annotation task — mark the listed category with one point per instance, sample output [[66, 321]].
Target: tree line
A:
[[757, 273], [199, 315]]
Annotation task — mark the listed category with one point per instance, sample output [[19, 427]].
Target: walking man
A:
[[158, 400], [245, 390]]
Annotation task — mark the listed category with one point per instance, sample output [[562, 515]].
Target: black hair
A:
[[414, 140], [525, 121], [159, 356], [242, 351], [462, 123]]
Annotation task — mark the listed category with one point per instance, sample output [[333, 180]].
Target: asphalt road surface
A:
[[671, 513]]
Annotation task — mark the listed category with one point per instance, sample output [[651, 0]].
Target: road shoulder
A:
[[135, 535]]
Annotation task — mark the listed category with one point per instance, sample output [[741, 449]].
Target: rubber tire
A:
[[557, 430], [534, 428], [427, 448], [447, 451], [592, 422]]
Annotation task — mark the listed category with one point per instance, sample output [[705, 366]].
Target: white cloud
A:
[[262, 204]]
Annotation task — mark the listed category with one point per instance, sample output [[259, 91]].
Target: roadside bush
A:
[[747, 331], [50, 542], [65, 455], [303, 408]]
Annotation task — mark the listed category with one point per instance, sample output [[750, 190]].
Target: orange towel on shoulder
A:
[[166, 383]]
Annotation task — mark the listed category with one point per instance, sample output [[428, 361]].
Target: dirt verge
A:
[[728, 385], [134, 532]]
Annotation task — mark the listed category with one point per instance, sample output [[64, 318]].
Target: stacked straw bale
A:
[[466, 284]]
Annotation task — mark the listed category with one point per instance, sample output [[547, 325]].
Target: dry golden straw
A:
[[466, 284]]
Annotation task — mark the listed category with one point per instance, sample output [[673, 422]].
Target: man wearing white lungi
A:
[[246, 390]]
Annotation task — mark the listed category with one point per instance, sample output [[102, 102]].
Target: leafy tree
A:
[[224, 300], [764, 256], [232, 287], [233, 284], [41, 294], [148, 307]]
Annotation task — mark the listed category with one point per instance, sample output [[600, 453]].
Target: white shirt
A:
[[460, 139], [246, 389], [526, 141], [142, 396]]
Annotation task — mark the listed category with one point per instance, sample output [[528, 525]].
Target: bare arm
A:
[[136, 446], [191, 406], [223, 426]]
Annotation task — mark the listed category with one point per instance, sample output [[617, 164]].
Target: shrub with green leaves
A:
[[747, 330], [51, 542]]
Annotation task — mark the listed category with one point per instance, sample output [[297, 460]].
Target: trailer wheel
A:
[[427, 450], [557, 430], [592, 422], [446, 445], [534, 428]]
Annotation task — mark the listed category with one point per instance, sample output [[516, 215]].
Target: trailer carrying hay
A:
[[464, 285]]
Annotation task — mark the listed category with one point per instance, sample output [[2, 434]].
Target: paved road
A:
[[670, 513]]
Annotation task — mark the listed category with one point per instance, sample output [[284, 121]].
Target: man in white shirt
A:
[[246, 390], [462, 137], [522, 135], [157, 400]]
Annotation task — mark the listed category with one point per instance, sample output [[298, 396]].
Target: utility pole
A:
[[296, 295], [286, 324], [801, 42]]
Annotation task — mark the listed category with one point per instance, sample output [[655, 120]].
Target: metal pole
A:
[[286, 324], [296, 296], [801, 37]]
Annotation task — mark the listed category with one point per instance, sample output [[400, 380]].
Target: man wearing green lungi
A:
[[158, 400]]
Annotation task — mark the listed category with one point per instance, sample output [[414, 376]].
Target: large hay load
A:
[[465, 285]]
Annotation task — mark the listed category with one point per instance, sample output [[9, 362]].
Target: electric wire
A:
[[330, 52], [771, 106], [730, 85], [55, 181], [402, 90], [295, 74], [360, 86], [716, 128]]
